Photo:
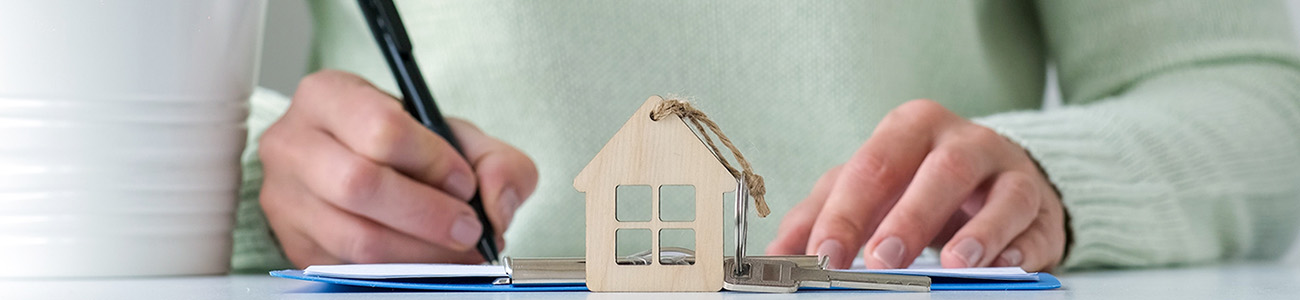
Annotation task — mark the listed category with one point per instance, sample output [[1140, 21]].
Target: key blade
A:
[[811, 277], [878, 286], [887, 282]]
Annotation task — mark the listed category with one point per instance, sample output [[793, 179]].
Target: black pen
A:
[[386, 26]]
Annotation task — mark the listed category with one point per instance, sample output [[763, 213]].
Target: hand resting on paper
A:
[[928, 177], [350, 177]]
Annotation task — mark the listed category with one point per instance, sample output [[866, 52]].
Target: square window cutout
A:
[[677, 203], [632, 203], [674, 244], [632, 242]]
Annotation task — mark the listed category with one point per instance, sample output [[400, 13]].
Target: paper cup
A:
[[121, 125]]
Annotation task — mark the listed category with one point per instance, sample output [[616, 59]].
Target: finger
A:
[[1041, 246], [955, 222], [1034, 250], [973, 203], [356, 240], [302, 251], [1011, 206], [359, 186], [374, 125], [792, 235], [506, 176], [945, 179], [279, 200], [871, 181]]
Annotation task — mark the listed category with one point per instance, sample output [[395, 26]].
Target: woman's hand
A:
[[351, 178], [928, 177]]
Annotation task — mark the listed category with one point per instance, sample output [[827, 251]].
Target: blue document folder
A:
[[484, 284]]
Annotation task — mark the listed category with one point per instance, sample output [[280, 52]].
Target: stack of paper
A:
[[448, 277]]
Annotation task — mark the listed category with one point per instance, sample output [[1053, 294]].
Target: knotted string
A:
[[696, 117]]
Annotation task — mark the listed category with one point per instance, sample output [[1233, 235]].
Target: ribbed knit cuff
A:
[[255, 246], [1116, 219]]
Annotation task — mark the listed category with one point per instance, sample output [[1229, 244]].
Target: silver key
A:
[[780, 276]]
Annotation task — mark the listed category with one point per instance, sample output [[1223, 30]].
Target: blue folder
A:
[[484, 284]]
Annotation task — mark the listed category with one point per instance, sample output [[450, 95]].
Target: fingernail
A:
[[832, 250], [1012, 257], [466, 230], [889, 252], [459, 185], [509, 203], [970, 251]]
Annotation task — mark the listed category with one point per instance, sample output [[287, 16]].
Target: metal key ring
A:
[[742, 227]]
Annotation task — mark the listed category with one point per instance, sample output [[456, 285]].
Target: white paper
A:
[[386, 271], [390, 271], [931, 268]]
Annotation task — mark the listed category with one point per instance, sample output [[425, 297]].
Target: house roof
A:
[[646, 151]]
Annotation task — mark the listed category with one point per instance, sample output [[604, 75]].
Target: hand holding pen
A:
[[386, 27], [350, 177]]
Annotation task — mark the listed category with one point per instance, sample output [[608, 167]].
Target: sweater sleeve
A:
[[1178, 143], [255, 246]]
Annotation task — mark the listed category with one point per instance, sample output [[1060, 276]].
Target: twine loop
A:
[[752, 181]]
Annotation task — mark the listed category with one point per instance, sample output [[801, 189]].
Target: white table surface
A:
[[1256, 280]]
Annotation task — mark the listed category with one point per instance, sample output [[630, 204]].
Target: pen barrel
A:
[[386, 26], [418, 101], [486, 241]]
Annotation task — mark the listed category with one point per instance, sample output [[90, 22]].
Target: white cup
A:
[[121, 125]]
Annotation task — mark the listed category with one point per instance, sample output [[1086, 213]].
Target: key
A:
[[780, 276]]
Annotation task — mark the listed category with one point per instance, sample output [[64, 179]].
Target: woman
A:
[[1177, 142]]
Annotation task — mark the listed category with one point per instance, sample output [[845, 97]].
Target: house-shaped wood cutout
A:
[[654, 153]]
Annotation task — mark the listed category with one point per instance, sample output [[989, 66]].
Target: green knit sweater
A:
[[1177, 143]]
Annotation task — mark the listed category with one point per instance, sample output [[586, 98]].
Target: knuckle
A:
[[920, 107], [314, 82], [356, 184], [956, 165], [846, 223], [871, 169], [385, 129], [275, 150], [981, 135], [833, 173], [1021, 192], [525, 166], [321, 84], [272, 144], [908, 220], [505, 161], [915, 112], [529, 167], [269, 202], [325, 78], [311, 82]]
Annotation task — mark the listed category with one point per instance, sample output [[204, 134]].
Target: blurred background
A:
[[288, 38]]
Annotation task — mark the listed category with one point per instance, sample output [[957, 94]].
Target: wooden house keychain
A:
[[657, 148]]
